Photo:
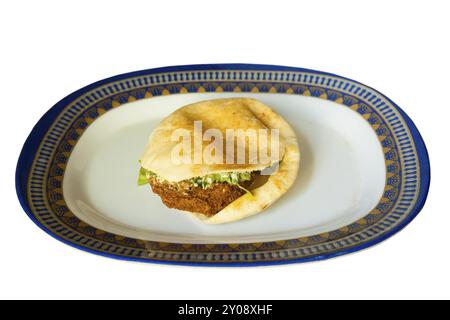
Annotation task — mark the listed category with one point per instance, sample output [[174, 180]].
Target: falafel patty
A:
[[188, 196]]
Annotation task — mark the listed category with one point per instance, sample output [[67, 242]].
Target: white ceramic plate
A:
[[81, 187]]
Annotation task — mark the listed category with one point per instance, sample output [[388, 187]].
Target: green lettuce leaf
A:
[[142, 178], [233, 178]]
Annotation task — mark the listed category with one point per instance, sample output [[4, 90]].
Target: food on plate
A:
[[222, 160]]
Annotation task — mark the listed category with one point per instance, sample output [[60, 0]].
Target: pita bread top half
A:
[[223, 114]]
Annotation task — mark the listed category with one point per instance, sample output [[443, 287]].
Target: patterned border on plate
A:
[[45, 195]]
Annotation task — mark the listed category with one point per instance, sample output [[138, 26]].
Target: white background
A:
[[51, 48]]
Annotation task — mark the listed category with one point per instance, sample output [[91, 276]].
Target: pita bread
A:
[[222, 114]]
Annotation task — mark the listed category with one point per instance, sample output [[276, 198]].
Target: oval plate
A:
[[364, 172]]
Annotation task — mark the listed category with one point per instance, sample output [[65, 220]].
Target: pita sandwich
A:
[[221, 160]]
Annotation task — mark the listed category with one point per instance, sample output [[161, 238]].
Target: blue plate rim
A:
[[37, 133]]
